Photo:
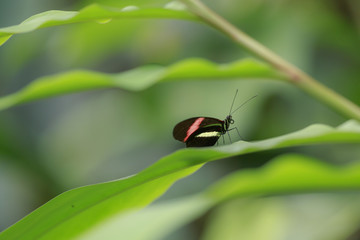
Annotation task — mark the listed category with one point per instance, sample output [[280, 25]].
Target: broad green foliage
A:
[[102, 201], [127, 225], [61, 217], [91, 13], [136, 79], [288, 174]]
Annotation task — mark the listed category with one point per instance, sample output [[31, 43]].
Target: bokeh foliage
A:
[[56, 144]]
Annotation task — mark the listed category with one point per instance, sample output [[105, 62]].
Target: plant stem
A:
[[291, 73]]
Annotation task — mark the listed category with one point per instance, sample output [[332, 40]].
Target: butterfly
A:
[[205, 131]]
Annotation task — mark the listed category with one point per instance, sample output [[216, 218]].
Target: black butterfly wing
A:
[[204, 137], [186, 130], [181, 129]]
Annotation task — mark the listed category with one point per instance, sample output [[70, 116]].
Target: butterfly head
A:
[[227, 122]]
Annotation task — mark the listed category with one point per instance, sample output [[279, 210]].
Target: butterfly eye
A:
[[232, 121]]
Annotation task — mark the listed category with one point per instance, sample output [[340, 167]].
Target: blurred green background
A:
[[53, 145]]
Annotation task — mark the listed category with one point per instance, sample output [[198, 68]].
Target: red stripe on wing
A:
[[195, 126]]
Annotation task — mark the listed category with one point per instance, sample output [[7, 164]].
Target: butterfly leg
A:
[[241, 138], [229, 136]]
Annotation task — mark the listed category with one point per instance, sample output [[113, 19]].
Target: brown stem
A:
[[291, 73]]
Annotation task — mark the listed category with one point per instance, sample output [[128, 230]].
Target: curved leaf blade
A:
[[136, 79], [288, 174], [77, 210], [127, 225], [92, 12]]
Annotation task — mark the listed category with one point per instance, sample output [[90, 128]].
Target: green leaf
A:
[[286, 175], [78, 210], [306, 174], [90, 13], [155, 221], [136, 79]]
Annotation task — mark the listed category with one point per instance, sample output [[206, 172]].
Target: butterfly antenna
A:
[[232, 104], [243, 103]]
